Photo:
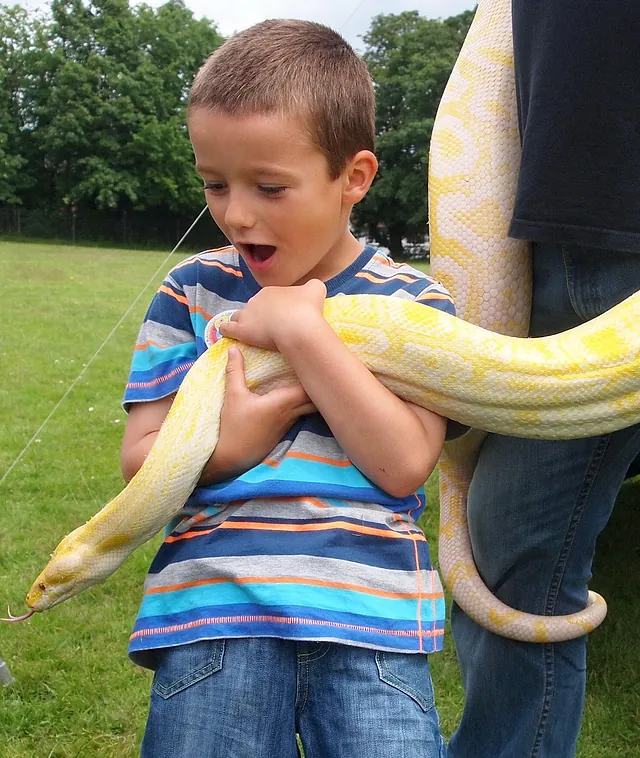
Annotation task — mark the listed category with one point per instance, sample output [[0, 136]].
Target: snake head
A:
[[62, 577], [53, 586], [76, 564]]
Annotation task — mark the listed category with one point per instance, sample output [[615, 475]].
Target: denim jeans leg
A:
[[223, 699], [535, 512], [360, 703], [534, 528]]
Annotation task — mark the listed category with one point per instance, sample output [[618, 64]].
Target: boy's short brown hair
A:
[[297, 68]]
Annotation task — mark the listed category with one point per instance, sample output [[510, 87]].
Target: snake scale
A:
[[480, 371]]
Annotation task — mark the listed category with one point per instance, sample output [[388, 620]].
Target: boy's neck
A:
[[340, 257]]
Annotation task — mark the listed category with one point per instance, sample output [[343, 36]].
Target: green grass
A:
[[76, 695]]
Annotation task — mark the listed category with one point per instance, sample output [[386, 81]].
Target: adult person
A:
[[536, 508]]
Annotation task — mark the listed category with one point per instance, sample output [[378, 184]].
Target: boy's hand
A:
[[251, 425], [269, 314]]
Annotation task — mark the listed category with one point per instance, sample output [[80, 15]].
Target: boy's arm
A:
[[143, 424], [250, 425], [395, 444]]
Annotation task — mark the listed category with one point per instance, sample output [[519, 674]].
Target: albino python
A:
[[578, 383]]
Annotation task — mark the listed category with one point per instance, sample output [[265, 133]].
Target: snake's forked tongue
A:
[[14, 619]]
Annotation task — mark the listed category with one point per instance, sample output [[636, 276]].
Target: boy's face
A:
[[268, 188]]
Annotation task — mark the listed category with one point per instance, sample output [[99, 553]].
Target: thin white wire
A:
[[97, 352], [352, 14]]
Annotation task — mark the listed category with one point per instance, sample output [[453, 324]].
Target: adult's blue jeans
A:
[[247, 698], [535, 510]]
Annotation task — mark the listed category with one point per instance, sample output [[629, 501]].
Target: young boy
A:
[[295, 593]]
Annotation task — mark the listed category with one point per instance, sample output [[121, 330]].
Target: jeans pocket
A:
[[598, 279], [409, 673], [185, 665]]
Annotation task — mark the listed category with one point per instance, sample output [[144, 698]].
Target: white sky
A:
[[352, 18]]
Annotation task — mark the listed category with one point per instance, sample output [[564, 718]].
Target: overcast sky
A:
[[352, 18]]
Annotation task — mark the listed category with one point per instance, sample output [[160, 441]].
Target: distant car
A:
[[417, 251]]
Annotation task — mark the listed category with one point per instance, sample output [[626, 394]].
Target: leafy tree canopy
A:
[[92, 110], [96, 103], [410, 59]]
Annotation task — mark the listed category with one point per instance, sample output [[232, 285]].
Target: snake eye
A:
[[42, 586]]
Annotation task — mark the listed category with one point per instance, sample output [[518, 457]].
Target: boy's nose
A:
[[238, 214]]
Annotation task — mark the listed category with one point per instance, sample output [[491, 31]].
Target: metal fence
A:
[[149, 229]]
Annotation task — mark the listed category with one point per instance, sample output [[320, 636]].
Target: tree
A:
[[410, 59], [108, 104], [15, 41], [177, 44]]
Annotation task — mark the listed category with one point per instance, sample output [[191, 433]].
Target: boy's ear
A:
[[359, 174]]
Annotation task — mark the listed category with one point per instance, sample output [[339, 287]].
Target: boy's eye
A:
[[271, 189], [214, 186]]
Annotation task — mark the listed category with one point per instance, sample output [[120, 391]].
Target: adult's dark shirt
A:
[[578, 85]]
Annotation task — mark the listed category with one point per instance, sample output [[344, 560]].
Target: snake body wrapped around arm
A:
[[557, 388], [576, 384]]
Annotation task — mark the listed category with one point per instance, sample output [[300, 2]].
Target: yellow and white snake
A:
[[579, 383]]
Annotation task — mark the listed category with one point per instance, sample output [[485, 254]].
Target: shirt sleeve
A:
[[437, 296], [165, 349]]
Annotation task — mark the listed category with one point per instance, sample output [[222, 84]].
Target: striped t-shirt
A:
[[302, 546]]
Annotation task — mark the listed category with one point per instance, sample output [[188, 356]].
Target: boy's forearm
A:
[[221, 467], [217, 468], [378, 431], [134, 456]]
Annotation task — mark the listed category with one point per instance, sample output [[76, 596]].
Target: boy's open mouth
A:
[[259, 253]]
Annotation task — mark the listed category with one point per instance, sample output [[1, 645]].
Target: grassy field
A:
[[76, 695]]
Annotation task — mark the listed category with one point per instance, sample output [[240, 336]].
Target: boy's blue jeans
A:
[[247, 698], [535, 512]]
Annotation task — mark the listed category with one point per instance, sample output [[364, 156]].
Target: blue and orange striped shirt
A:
[[302, 546]]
